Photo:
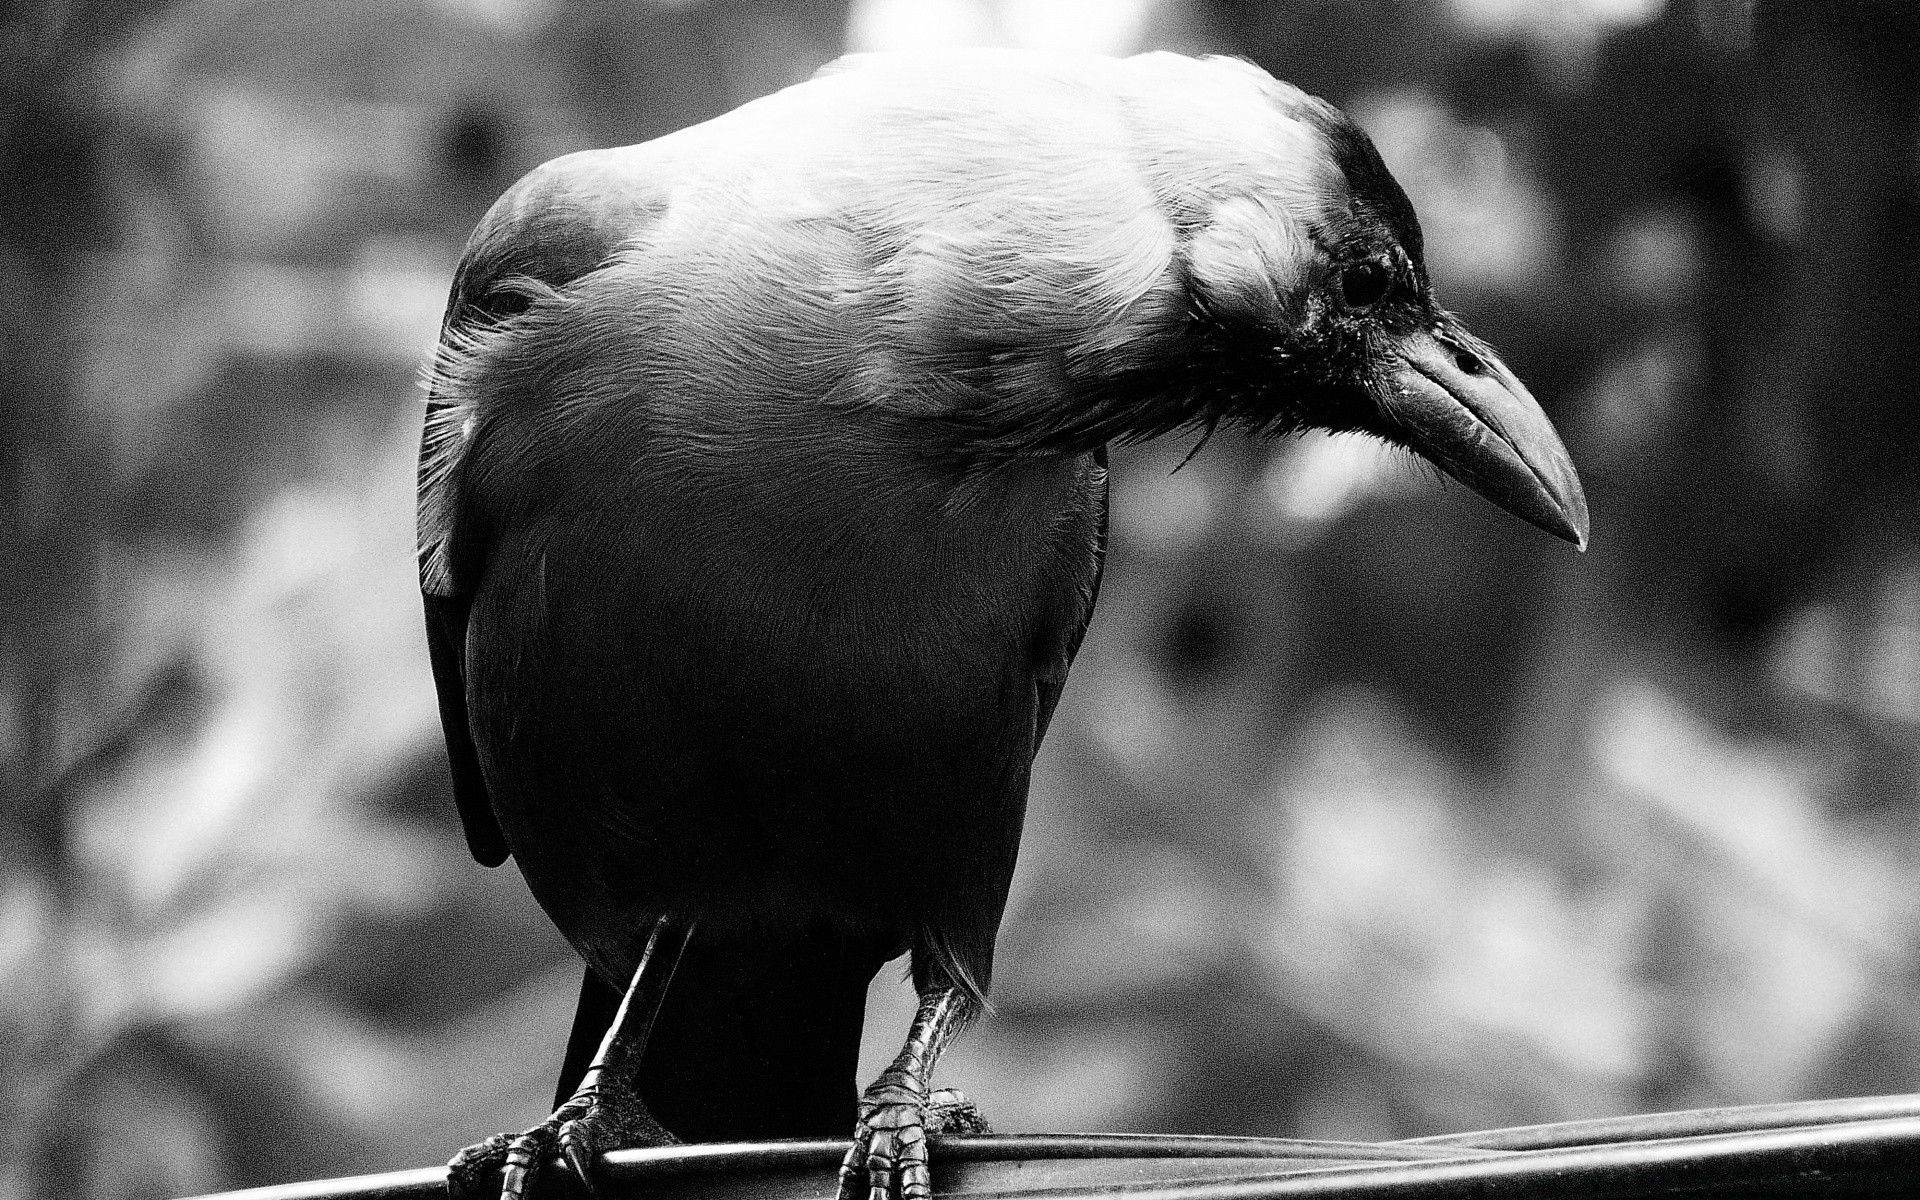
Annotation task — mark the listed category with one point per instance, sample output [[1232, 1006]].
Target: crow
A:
[[762, 507]]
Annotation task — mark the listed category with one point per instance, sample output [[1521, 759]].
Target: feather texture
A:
[[982, 238], [763, 480]]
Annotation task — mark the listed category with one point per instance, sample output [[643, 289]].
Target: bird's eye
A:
[[1364, 285], [503, 303]]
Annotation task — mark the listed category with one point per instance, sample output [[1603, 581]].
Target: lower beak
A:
[[1450, 399]]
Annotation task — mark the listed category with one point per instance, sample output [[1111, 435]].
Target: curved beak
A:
[[1448, 397]]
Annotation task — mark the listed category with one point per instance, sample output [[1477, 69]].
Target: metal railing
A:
[[1862, 1147]]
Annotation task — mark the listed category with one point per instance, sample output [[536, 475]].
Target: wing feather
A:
[[1052, 684], [559, 223]]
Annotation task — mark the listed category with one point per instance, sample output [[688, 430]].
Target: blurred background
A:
[[1370, 812]]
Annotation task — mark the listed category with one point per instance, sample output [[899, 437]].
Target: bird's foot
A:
[[890, 1142], [598, 1118]]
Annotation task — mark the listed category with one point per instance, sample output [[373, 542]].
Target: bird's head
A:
[[1309, 306]]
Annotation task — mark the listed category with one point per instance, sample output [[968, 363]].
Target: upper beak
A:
[[1449, 398]]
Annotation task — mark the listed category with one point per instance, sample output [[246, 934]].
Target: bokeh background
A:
[[1369, 812]]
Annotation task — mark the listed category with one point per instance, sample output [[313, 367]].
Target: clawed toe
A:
[[890, 1144], [577, 1133], [893, 1160], [580, 1145], [524, 1156], [470, 1173], [509, 1158]]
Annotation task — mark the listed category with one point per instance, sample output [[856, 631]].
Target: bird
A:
[[763, 508]]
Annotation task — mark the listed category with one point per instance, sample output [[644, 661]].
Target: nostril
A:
[[1468, 362]]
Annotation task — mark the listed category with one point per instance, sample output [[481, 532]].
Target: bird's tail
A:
[[758, 1036]]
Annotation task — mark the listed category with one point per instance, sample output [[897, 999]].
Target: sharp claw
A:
[[592, 1121], [580, 1158]]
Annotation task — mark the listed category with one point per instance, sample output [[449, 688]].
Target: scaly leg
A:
[[900, 1109], [605, 1111]]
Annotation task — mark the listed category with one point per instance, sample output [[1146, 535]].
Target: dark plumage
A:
[[763, 502]]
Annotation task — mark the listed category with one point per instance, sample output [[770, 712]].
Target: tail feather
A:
[[757, 1037]]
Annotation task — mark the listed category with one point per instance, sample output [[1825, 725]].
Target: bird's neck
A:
[[1216, 375]]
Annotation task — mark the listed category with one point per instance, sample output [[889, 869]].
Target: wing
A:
[[555, 225], [1054, 682], [959, 940], [446, 643]]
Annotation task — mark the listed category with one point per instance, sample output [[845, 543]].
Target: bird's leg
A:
[[605, 1111], [900, 1110]]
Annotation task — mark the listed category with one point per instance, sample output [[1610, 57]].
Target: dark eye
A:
[[504, 303], [1364, 285]]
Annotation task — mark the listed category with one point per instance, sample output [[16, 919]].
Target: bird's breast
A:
[[773, 667]]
